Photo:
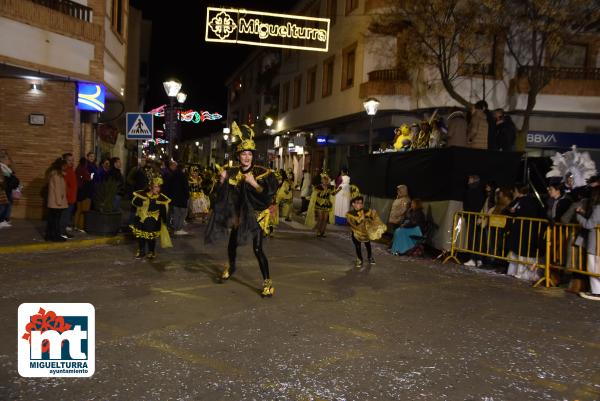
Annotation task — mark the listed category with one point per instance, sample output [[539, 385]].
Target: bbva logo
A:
[[541, 138]]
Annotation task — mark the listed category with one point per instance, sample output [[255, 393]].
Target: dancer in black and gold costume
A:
[[243, 196], [366, 227], [320, 207], [151, 209]]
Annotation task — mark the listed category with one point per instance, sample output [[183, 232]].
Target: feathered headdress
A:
[[246, 137], [579, 164]]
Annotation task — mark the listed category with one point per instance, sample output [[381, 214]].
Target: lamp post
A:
[[371, 105], [172, 88], [226, 132]]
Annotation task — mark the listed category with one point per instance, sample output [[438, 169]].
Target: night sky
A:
[[178, 50]]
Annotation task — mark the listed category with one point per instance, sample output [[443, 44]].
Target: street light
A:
[[172, 88], [269, 121], [371, 105]]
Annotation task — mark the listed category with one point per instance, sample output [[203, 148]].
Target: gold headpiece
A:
[[157, 181], [246, 141], [194, 169], [325, 175], [354, 191]]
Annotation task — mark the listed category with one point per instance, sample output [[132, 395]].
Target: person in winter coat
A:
[[457, 129], [524, 236], [399, 207], [591, 223], [477, 133], [506, 132], [57, 200], [178, 190]]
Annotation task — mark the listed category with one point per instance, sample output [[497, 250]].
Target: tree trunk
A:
[[452, 92], [521, 141]]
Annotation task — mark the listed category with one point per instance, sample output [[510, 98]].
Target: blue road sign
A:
[[140, 126]]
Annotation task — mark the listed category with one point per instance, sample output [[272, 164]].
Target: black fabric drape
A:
[[432, 174]]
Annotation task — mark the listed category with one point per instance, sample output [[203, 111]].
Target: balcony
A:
[[568, 81], [68, 7], [386, 82], [60, 16]]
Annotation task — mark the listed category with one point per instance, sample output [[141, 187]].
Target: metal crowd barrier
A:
[[527, 241]]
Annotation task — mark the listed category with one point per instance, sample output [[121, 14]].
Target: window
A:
[[311, 83], [117, 16], [297, 91], [327, 86], [348, 61], [571, 55], [351, 5], [285, 97], [482, 59], [331, 10]]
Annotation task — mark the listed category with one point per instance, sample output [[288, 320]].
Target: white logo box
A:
[[54, 317]]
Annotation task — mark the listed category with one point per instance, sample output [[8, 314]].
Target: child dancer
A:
[[151, 207], [366, 227], [320, 209]]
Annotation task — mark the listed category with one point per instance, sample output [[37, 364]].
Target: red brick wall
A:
[[32, 147]]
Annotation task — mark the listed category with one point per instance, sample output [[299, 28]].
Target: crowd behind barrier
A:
[[535, 249]]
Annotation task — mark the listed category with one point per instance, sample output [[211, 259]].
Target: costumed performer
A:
[[403, 138], [285, 195], [199, 202], [150, 221], [366, 227], [342, 198], [243, 197], [320, 208]]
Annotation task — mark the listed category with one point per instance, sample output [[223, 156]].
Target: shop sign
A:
[[562, 140]]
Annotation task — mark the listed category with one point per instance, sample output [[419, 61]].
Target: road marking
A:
[[214, 364], [179, 294], [355, 332]]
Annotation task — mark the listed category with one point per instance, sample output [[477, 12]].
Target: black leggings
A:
[[358, 248], [257, 240], [142, 243]]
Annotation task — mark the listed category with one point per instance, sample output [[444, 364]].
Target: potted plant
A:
[[102, 220]]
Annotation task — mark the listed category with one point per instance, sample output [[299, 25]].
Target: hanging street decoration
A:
[[188, 115], [259, 28]]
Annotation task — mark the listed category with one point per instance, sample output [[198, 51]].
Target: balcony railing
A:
[[564, 72], [68, 7], [388, 75]]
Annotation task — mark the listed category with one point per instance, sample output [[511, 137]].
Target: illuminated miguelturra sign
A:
[[228, 25]]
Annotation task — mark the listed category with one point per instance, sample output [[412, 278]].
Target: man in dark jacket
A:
[[506, 132], [177, 188], [473, 202], [492, 143]]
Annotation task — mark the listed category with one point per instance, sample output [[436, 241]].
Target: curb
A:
[[53, 246]]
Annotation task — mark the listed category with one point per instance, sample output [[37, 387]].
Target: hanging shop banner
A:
[[257, 28]]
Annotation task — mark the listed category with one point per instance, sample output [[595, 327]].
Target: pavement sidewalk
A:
[[28, 236]]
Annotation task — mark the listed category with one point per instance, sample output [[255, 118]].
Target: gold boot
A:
[[268, 289], [227, 272]]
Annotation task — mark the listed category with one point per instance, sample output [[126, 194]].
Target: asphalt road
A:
[[408, 329]]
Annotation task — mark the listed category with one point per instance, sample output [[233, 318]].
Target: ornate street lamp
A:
[[371, 105], [172, 88]]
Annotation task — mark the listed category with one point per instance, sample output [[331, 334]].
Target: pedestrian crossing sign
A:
[[140, 126]]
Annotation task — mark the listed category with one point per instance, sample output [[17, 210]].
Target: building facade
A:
[[321, 94], [53, 46]]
